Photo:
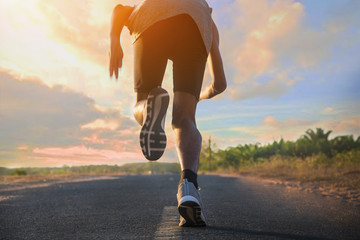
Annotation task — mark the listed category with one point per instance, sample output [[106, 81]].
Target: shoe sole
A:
[[152, 134], [191, 212]]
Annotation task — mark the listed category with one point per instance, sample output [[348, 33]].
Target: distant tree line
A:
[[131, 168], [310, 144]]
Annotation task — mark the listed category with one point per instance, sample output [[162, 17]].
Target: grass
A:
[[342, 170], [24, 175]]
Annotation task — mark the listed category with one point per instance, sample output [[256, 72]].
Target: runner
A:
[[184, 32]]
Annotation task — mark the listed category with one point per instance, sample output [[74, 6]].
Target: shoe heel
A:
[[191, 212]]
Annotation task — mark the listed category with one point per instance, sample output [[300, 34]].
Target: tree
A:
[[319, 141], [207, 153], [314, 137]]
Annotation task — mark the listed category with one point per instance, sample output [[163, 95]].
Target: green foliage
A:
[[18, 172], [313, 144], [313, 149], [5, 171], [132, 168]]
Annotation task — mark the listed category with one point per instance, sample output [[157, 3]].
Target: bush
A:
[[314, 148], [18, 172]]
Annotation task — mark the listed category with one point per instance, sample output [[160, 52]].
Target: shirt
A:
[[149, 12]]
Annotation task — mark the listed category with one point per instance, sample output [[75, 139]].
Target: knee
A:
[[183, 115], [181, 122]]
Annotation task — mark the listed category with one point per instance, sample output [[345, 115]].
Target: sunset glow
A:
[[291, 65]]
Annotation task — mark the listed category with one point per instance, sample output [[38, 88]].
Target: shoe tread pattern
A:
[[191, 212], [152, 135]]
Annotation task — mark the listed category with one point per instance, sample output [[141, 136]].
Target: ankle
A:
[[190, 176]]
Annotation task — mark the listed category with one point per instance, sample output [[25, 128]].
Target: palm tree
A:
[[314, 137], [319, 141]]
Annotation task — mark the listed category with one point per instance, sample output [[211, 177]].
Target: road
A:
[[144, 207]]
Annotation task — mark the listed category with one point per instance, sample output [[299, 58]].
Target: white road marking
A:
[[169, 225], [4, 198]]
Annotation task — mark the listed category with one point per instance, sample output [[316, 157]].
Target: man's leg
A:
[[188, 146], [189, 62], [188, 137]]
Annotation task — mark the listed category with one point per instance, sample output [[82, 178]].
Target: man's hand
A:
[[218, 85], [119, 17], [116, 57], [212, 90]]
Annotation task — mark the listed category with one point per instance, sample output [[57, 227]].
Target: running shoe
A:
[[190, 206], [152, 134]]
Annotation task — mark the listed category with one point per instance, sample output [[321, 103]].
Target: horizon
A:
[[95, 165], [290, 65]]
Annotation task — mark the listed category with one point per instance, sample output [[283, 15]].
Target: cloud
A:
[[83, 27], [66, 43], [269, 48], [269, 120], [271, 128], [273, 22], [33, 112], [74, 25], [40, 124], [344, 126], [102, 124], [253, 62], [81, 155], [328, 111], [267, 45], [274, 86]]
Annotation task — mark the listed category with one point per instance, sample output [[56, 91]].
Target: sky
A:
[[290, 66]]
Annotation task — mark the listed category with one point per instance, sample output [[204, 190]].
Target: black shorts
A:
[[178, 39]]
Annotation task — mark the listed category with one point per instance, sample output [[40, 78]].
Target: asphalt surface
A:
[[144, 207]]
